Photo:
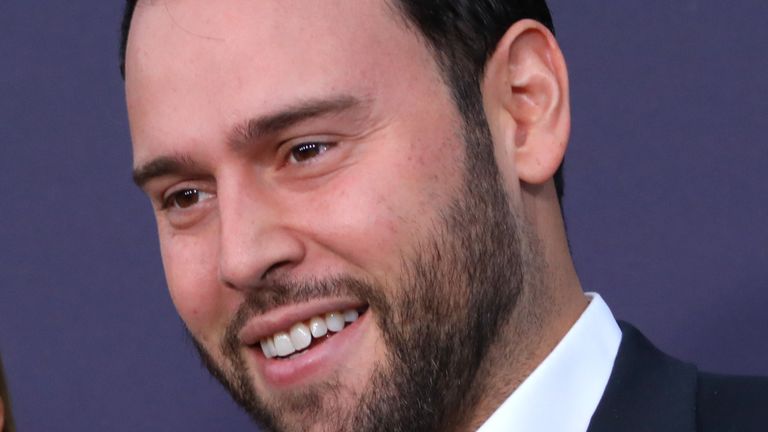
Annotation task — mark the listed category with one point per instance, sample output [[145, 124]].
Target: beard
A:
[[452, 303]]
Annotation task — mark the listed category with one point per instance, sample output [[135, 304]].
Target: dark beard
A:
[[454, 299]]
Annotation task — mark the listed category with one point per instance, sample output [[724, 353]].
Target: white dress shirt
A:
[[562, 393]]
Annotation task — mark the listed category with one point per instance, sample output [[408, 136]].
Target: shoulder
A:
[[652, 391], [732, 403]]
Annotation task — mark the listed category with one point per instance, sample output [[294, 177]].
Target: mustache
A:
[[285, 292]]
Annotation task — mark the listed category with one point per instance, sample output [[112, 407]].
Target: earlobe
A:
[[526, 98]]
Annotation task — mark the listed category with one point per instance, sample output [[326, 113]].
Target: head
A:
[[375, 159], [462, 36]]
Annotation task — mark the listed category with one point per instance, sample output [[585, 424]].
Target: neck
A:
[[531, 336], [550, 303]]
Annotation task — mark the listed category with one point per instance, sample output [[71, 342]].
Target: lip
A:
[[281, 319], [318, 361]]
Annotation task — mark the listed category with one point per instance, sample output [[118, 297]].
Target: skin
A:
[[393, 160]]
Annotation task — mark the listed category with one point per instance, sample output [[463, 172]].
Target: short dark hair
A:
[[462, 34]]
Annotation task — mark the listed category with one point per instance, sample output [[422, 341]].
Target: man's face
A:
[[305, 160]]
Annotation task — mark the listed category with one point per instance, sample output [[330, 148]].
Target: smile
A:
[[298, 344], [305, 334]]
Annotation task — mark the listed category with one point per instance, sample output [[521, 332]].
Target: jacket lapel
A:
[[648, 391]]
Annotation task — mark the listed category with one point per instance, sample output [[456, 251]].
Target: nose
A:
[[255, 240]]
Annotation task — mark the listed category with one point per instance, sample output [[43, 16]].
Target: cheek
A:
[[354, 222], [384, 210], [368, 225], [192, 278]]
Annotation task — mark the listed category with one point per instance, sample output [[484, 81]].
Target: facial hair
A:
[[452, 302]]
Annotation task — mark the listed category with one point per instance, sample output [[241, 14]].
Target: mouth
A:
[[304, 343], [302, 336]]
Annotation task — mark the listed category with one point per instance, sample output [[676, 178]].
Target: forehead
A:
[[216, 61], [225, 26]]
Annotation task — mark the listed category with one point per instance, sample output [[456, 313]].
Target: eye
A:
[[309, 150], [185, 198]]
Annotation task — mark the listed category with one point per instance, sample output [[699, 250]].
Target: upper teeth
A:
[[300, 335]]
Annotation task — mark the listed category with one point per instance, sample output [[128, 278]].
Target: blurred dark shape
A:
[[6, 419]]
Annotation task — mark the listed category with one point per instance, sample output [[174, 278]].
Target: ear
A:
[[525, 95]]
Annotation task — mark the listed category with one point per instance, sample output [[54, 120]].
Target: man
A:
[[358, 205]]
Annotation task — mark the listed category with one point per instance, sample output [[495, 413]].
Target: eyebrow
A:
[[247, 132], [271, 124], [163, 166]]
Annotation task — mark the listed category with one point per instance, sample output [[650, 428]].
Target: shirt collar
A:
[[562, 393]]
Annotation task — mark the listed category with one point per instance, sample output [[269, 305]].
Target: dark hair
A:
[[463, 34]]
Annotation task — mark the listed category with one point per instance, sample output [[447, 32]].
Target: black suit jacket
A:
[[650, 391]]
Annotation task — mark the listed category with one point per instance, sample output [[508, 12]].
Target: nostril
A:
[[251, 256], [273, 273], [228, 284], [274, 269]]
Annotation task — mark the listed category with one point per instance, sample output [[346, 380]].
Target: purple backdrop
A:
[[665, 205]]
